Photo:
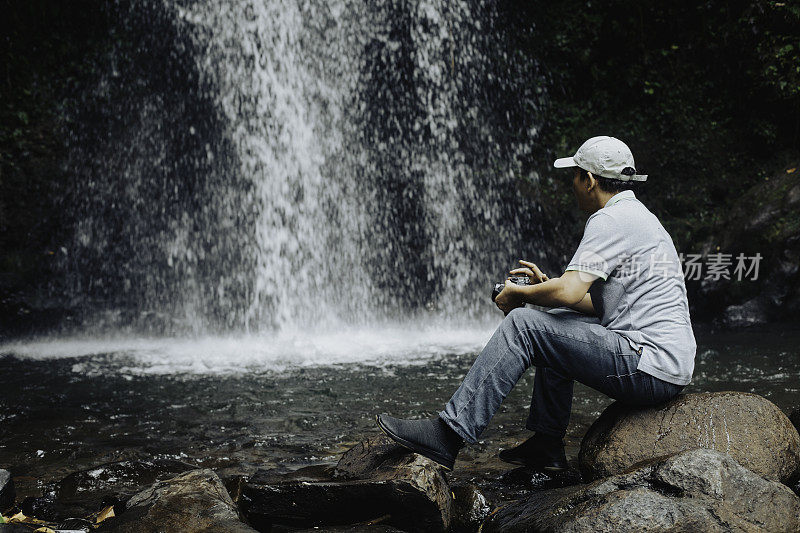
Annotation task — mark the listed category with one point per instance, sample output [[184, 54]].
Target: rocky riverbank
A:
[[703, 462]]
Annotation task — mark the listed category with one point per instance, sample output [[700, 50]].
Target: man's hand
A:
[[565, 291], [531, 270], [509, 298]]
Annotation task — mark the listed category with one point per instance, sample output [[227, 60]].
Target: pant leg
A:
[[574, 349], [551, 403]]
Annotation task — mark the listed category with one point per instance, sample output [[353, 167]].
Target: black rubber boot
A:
[[540, 452], [433, 439]]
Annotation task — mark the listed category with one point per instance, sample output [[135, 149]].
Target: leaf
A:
[[20, 518], [43, 530], [106, 513], [791, 170]]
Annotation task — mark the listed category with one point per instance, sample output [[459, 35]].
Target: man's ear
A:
[[592, 182]]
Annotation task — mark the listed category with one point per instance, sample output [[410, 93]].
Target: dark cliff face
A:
[[761, 223], [706, 95]]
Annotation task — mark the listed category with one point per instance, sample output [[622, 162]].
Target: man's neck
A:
[[603, 198]]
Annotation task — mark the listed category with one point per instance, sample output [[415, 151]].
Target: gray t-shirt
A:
[[641, 293]]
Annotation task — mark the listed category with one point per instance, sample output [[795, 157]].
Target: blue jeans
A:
[[564, 346]]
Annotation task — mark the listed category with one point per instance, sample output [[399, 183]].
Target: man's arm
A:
[[568, 290], [585, 306]]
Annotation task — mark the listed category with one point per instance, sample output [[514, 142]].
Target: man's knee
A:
[[524, 318], [522, 330], [529, 321]]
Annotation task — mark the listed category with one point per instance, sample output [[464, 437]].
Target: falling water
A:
[[252, 166]]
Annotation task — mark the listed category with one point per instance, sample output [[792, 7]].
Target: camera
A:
[[517, 280]]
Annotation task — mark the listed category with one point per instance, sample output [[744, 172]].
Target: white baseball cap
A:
[[604, 156]]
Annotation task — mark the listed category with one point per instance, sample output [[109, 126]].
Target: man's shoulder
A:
[[599, 222], [629, 212]]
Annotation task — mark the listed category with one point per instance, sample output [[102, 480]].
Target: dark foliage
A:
[[706, 94]]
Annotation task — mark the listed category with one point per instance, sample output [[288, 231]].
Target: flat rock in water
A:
[[7, 493], [192, 502], [750, 428], [694, 490], [376, 481]]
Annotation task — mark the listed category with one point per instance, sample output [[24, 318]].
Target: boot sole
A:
[[416, 448]]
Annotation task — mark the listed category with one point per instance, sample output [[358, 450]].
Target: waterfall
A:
[[255, 166]]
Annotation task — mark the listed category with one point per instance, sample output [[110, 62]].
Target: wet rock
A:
[[50, 509], [748, 427], [695, 490], [375, 480], [192, 502], [90, 490], [46, 508], [470, 508], [7, 493], [530, 479], [750, 313], [14, 528], [367, 456], [76, 524]]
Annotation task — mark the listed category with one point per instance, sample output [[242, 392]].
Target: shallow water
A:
[[240, 405]]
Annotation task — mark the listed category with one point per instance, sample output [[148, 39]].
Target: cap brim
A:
[[565, 162]]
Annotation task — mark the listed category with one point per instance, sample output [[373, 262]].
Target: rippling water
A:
[[239, 404]]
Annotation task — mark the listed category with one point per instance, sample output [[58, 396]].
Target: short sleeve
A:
[[601, 247]]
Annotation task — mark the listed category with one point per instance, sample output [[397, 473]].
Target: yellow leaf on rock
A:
[[789, 171], [20, 518], [106, 513]]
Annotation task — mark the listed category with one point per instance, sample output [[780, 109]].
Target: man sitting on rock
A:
[[627, 332]]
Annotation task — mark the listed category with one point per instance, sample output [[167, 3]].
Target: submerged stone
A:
[[753, 430], [695, 490]]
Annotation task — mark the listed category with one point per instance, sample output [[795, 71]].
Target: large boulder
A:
[[192, 502], [376, 480], [748, 427], [695, 490]]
